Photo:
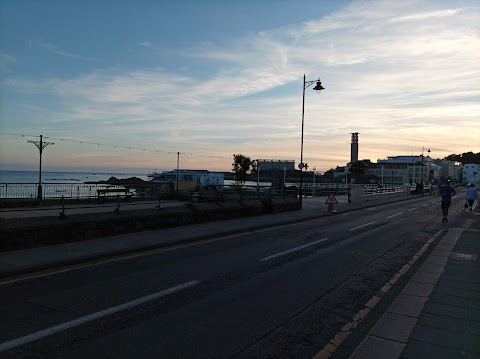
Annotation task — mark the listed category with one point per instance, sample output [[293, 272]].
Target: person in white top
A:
[[471, 196]]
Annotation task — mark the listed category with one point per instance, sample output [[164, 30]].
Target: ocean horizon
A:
[[7, 176]]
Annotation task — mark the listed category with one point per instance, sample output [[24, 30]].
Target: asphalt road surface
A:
[[281, 292]]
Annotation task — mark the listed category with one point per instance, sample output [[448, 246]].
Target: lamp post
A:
[[318, 87], [314, 174], [40, 145], [423, 168]]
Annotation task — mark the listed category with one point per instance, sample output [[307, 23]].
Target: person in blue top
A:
[[471, 195], [446, 192]]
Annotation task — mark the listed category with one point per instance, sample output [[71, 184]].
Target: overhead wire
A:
[[89, 142]]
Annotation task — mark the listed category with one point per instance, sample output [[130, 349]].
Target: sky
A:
[[127, 85]]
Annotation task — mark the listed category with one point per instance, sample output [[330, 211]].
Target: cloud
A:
[[426, 15], [146, 44], [5, 61], [54, 49], [401, 77]]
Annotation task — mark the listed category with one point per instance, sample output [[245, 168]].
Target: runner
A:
[[471, 196], [446, 192]]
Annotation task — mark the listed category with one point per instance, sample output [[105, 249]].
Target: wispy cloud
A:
[[426, 15], [5, 61], [146, 44], [54, 49]]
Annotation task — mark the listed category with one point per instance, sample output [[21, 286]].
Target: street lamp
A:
[[41, 146], [423, 169], [318, 87], [314, 174]]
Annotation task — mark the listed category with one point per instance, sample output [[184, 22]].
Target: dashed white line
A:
[[88, 318], [394, 215], [370, 209], [425, 205], [413, 209], [292, 250], [364, 225]]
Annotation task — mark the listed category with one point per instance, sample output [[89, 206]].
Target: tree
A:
[[464, 158], [358, 167], [330, 173], [358, 170], [242, 166]]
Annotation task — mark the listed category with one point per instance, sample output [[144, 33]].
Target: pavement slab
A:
[[409, 305], [394, 327], [378, 348]]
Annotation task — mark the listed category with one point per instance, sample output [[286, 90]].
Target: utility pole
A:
[[178, 164], [40, 145], [313, 191]]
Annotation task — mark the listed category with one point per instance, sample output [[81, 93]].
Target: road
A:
[[281, 292]]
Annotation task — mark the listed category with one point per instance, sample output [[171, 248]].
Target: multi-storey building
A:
[[419, 169], [389, 172], [471, 173], [448, 170]]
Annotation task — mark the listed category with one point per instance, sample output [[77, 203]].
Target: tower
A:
[[354, 148]]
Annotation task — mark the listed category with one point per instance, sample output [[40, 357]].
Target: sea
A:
[[81, 177], [64, 177]]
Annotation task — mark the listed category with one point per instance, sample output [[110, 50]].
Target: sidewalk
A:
[[437, 314]]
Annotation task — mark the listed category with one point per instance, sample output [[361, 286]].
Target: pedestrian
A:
[[471, 196], [446, 192]]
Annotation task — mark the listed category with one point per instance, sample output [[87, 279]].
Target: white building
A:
[[471, 173], [200, 177], [419, 169]]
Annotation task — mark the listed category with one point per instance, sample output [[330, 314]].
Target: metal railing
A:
[[28, 191], [14, 194], [370, 189]]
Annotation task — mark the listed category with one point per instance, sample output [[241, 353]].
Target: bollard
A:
[[117, 210], [62, 213]]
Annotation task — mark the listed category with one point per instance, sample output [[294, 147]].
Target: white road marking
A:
[[413, 209], [370, 209], [394, 215], [88, 318], [425, 205], [292, 250], [364, 225]]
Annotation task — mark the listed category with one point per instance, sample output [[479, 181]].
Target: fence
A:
[[14, 194], [18, 193]]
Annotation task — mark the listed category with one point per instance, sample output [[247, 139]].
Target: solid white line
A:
[[292, 250], [88, 318], [364, 225], [370, 209], [398, 214], [413, 209]]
